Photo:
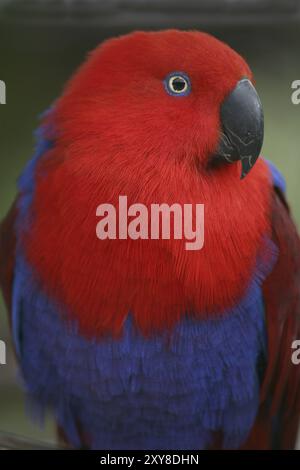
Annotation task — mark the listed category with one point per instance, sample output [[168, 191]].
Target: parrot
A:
[[140, 344]]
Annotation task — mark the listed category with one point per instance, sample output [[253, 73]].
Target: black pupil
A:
[[178, 84]]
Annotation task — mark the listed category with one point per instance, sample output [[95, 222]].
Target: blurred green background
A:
[[35, 61]]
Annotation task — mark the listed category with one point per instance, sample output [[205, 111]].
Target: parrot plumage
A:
[[141, 344]]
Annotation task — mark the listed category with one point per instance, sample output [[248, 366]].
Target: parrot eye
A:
[[177, 84]]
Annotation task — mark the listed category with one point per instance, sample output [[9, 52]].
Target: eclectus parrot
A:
[[140, 343]]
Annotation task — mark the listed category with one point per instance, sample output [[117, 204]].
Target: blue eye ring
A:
[[177, 84]]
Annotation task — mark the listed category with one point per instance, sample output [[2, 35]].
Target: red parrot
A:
[[140, 343]]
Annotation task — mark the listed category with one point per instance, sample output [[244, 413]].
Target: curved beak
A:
[[242, 127]]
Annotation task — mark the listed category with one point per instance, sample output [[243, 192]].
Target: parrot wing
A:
[[278, 419]]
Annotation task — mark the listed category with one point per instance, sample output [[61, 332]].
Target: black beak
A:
[[243, 127]]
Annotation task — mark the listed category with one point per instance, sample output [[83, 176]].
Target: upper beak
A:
[[242, 126]]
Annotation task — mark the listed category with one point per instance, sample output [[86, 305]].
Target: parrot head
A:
[[185, 96]]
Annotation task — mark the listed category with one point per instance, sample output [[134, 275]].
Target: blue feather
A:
[[278, 179]]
